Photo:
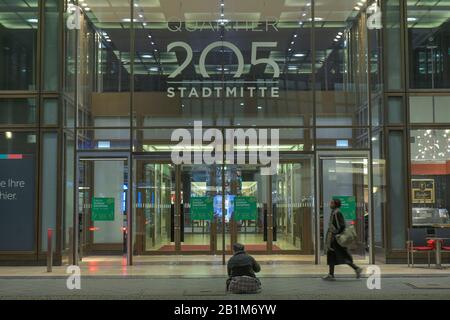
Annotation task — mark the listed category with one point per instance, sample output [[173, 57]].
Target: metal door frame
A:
[[102, 156], [343, 154]]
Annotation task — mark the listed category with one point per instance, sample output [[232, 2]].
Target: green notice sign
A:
[[245, 208], [103, 209], [348, 206], [202, 208]]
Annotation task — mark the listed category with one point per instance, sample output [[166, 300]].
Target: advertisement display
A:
[[17, 202]]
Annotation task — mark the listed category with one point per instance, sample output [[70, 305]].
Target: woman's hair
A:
[[337, 203]]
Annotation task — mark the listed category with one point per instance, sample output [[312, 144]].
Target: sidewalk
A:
[[209, 267]]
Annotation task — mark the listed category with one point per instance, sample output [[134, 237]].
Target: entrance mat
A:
[[186, 248], [204, 293], [440, 286]]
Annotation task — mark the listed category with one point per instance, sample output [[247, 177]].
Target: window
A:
[[429, 109], [18, 111], [430, 176], [18, 43], [429, 30]]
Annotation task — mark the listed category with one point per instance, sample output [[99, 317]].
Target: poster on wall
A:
[[245, 208], [423, 191], [17, 202], [202, 208], [103, 209], [348, 207]]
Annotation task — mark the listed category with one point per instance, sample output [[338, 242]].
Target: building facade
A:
[[99, 100]]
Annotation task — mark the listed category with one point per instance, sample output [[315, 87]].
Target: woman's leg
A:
[[331, 273], [357, 269], [353, 266]]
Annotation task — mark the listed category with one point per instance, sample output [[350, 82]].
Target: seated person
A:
[[241, 272]]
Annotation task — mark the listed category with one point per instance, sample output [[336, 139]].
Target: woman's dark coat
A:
[[336, 254]]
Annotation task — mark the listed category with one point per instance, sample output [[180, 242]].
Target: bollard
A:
[[49, 250]]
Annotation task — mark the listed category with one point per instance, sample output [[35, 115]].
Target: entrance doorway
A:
[[102, 205], [202, 209], [345, 176]]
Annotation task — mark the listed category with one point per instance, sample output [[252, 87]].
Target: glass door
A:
[[103, 206], [154, 206], [201, 207], [247, 194], [346, 178], [293, 206]]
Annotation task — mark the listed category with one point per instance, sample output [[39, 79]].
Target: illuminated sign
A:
[[247, 87]]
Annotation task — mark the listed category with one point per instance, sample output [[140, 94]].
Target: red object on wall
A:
[[430, 169]]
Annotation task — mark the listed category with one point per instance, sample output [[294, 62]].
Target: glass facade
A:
[[93, 92]]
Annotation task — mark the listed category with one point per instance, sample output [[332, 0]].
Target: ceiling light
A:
[[33, 20], [8, 135]]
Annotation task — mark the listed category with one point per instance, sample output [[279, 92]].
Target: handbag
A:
[[348, 237]]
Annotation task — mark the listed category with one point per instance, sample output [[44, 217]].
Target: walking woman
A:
[[337, 255]]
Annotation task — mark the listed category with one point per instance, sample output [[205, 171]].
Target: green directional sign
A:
[[202, 208], [348, 207], [103, 209], [245, 208]]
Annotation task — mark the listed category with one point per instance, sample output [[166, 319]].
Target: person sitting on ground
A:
[[241, 272]]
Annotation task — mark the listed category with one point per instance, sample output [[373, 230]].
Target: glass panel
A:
[[379, 188], [392, 34], [397, 194], [341, 65], [377, 111], [375, 55], [159, 140], [238, 81], [69, 183], [17, 191], [442, 109], [104, 139], [49, 187], [51, 45], [50, 112], [342, 138], [18, 111], [421, 109], [348, 180], [293, 202], [428, 42], [102, 195], [395, 112], [154, 207], [104, 66], [430, 174], [18, 40]]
